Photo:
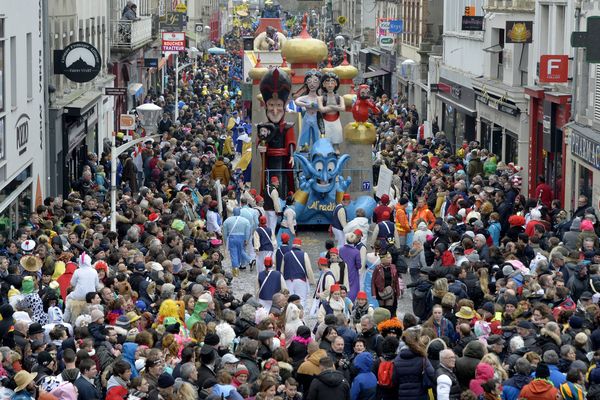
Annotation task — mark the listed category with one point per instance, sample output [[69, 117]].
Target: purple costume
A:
[[351, 256]]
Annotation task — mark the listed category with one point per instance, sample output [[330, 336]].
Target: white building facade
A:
[[22, 119], [452, 101]]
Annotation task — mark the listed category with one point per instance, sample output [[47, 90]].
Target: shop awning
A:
[[82, 104], [465, 110], [136, 89], [372, 74]]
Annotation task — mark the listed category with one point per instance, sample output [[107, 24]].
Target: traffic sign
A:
[[181, 8], [396, 26], [384, 25], [115, 91]]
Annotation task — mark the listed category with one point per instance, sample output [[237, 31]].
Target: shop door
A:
[[496, 147]]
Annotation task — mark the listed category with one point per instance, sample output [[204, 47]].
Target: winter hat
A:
[[96, 315], [576, 225], [165, 381], [211, 339], [381, 314], [576, 322], [587, 226], [542, 371], [27, 285]]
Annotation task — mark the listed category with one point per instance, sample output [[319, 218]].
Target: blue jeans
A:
[[310, 130], [235, 244]]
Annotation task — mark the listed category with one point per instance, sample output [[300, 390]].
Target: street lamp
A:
[[148, 115]]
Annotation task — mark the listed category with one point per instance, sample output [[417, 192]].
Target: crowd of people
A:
[[503, 288]]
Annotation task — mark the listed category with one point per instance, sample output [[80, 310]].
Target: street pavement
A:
[[313, 242]]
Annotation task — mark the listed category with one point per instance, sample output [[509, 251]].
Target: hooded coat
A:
[[364, 385], [538, 389], [571, 237], [129, 350], [329, 384], [483, 373], [309, 369], [64, 281], [512, 387], [467, 364], [195, 317]]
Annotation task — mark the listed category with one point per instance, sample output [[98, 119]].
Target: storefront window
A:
[[511, 153], [448, 124], [497, 140], [586, 179], [19, 210], [2, 139], [1, 64], [485, 135]]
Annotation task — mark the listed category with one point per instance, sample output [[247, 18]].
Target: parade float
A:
[[310, 130]]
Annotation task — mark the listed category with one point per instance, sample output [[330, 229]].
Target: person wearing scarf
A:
[[361, 307]]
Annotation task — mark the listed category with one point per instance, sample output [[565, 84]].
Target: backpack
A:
[[422, 301], [385, 373]]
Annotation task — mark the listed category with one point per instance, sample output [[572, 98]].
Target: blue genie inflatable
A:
[[321, 186]]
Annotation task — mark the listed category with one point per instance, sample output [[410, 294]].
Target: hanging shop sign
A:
[[499, 104], [554, 68], [396, 26], [173, 41], [470, 23], [126, 122], [78, 62], [519, 32], [173, 22], [585, 148]]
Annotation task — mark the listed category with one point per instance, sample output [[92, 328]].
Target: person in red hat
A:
[[284, 247], [326, 280], [332, 304], [264, 243], [272, 203], [381, 208], [338, 221], [338, 267], [297, 271], [360, 308], [269, 283], [260, 202], [288, 222]]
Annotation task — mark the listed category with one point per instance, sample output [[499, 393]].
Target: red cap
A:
[[385, 215], [385, 199], [358, 232], [361, 295], [269, 262], [334, 251], [297, 241], [285, 238], [259, 198], [252, 192], [334, 288], [153, 217], [101, 265], [346, 196], [274, 179], [323, 261], [262, 220], [213, 204]]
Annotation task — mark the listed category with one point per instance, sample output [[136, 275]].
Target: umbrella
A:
[[216, 50]]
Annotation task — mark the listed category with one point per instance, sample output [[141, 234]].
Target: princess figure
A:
[[310, 102], [330, 105]]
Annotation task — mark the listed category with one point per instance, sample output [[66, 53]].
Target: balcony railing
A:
[[510, 5], [131, 35]]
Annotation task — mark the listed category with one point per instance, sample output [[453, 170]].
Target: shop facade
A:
[[549, 113], [582, 165], [23, 179], [457, 111], [503, 127]]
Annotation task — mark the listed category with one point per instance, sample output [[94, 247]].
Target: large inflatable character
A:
[[275, 87], [322, 186]]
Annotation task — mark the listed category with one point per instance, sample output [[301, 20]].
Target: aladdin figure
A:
[[275, 88], [330, 105], [310, 101]]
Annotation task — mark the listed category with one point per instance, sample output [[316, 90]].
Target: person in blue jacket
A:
[[364, 386]]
